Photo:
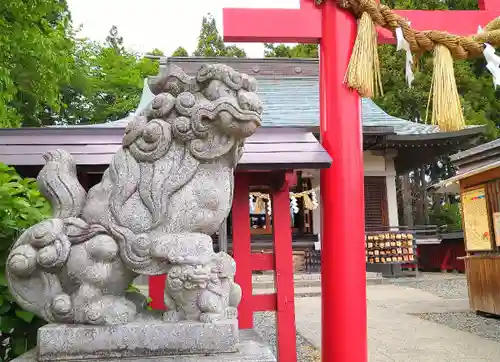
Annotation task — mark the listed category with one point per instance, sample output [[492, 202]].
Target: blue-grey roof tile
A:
[[295, 102]]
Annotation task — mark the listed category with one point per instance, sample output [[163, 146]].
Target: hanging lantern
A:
[[251, 204]]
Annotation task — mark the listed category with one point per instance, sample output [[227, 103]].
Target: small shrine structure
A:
[[478, 183]]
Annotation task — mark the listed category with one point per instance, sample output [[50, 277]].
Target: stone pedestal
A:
[[160, 342]]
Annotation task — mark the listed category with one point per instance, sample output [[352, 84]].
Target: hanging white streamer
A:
[[492, 61], [314, 199], [251, 204], [402, 44]]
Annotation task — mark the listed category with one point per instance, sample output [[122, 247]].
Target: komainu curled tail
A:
[[58, 182]]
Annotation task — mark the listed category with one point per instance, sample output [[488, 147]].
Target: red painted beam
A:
[[242, 248], [489, 4], [304, 25], [272, 25], [283, 276], [263, 302], [452, 21], [263, 262]]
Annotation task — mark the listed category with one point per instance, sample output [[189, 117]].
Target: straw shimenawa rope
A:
[[364, 74], [461, 47], [421, 41], [446, 108]]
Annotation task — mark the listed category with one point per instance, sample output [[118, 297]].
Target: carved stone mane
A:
[[167, 189]]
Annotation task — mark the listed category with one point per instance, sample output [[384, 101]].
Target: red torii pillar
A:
[[344, 330]]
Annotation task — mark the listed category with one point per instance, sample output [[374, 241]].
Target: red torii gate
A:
[[344, 330]]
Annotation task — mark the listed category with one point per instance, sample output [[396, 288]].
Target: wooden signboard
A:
[[496, 227], [476, 221]]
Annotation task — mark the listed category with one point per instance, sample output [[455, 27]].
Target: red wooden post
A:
[[283, 277], [343, 264], [489, 5], [156, 291], [242, 248]]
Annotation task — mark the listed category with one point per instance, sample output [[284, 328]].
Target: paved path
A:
[[395, 335]]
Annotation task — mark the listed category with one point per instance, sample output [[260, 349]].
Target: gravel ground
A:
[[265, 325], [468, 322], [454, 287], [447, 288]]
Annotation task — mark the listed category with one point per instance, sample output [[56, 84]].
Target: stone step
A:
[[303, 287]]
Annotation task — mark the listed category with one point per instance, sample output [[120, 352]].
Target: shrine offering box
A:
[[390, 248]]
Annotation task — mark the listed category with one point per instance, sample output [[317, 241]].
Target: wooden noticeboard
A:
[[476, 220], [496, 227]]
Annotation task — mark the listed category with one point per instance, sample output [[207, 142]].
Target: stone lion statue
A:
[[167, 189]]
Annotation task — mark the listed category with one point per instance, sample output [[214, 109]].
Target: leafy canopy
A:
[[36, 59], [107, 82]]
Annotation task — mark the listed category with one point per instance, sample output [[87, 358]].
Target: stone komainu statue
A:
[[167, 189]]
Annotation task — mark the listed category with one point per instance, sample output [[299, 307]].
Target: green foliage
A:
[[180, 52], [447, 216], [36, 58], [211, 44], [21, 206], [48, 76], [132, 289], [116, 79], [107, 83]]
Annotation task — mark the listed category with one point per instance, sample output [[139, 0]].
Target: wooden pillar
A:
[[242, 250], [343, 263], [283, 277], [407, 199]]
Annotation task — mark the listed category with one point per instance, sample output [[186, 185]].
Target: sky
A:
[[162, 24]]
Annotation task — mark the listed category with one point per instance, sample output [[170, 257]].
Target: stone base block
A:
[[250, 349], [62, 342]]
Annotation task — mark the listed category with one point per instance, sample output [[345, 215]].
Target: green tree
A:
[[36, 59], [109, 82], [180, 52], [21, 206], [285, 51], [114, 40], [211, 44]]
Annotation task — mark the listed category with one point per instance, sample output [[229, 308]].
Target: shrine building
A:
[[289, 138]]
